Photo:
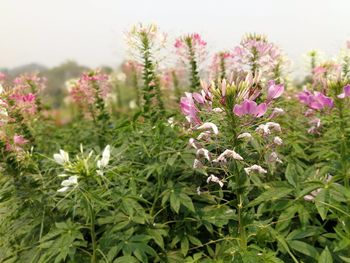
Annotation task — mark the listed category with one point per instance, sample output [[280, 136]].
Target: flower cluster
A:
[[255, 53], [90, 87], [191, 45], [73, 170]]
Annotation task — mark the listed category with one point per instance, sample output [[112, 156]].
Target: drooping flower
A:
[[274, 90], [209, 126], [245, 135], [276, 112], [215, 179], [62, 157], [249, 107], [255, 168], [68, 184], [346, 92], [203, 153], [277, 140], [273, 158], [228, 154], [101, 164], [189, 108], [265, 129]]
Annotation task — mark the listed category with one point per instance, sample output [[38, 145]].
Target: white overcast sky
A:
[[91, 32]]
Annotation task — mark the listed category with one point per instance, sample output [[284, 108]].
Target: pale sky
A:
[[91, 32]]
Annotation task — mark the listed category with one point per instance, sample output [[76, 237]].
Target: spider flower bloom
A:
[[191, 45], [189, 109], [101, 164], [208, 126], [89, 86], [19, 140], [255, 168], [249, 107], [68, 184], [2, 76], [228, 154], [346, 92], [274, 90], [316, 101], [213, 178], [61, 158], [24, 103]]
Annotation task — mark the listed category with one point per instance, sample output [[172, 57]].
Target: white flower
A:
[[277, 140], [199, 190], [62, 157], [194, 144], [217, 110], [264, 129], [273, 158], [171, 122], [228, 153], [197, 164], [101, 164], [209, 125], [68, 184], [213, 178], [245, 135], [203, 153], [277, 112], [255, 168], [204, 135], [274, 126], [105, 157]]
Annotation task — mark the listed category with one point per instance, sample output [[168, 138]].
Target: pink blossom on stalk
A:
[[25, 103], [188, 108], [197, 44], [346, 92], [249, 107], [84, 92], [2, 76], [316, 101], [274, 91], [19, 140]]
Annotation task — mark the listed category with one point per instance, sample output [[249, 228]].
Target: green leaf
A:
[[304, 248], [271, 195], [184, 246], [321, 201], [175, 201], [186, 201], [325, 256], [291, 174], [126, 259]]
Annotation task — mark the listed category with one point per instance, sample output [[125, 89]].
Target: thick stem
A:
[[93, 234]]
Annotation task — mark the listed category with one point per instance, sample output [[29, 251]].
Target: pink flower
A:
[[274, 91], [188, 108], [19, 140], [2, 76], [316, 101], [346, 92], [249, 107]]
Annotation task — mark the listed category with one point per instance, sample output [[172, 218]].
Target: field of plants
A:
[[210, 158]]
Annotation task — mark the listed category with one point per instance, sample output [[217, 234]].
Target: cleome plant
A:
[[191, 162]]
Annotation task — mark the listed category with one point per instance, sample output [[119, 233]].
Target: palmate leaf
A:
[[271, 195]]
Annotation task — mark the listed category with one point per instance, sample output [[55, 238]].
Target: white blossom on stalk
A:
[[228, 153], [276, 112], [62, 157], [192, 142], [273, 158], [255, 168], [204, 136], [213, 178], [217, 110], [277, 140], [209, 125], [245, 135], [197, 164], [203, 153], [72, 181], [274, 126], [101, 164]]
